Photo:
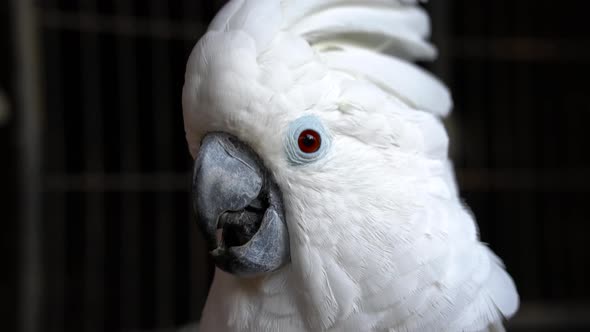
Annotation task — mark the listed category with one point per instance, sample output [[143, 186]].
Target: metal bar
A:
[[527, 214], [577, 243], [500, 112], [474, 116], [130, 224], [94, 273], [55, 209], [27, 57], [121, 25], [162, 111], [4, 108]]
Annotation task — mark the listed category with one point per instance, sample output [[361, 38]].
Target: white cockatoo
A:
[[321, 178]]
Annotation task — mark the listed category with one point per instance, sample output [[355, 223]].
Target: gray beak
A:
[[239, 208]]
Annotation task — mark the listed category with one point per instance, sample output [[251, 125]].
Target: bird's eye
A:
[[309, 141]]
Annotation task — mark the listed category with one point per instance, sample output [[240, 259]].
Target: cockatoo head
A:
[[312, 133]]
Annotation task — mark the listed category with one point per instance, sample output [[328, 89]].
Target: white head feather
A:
[[379, 238]]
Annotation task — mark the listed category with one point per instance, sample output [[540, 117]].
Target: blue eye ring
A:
[[310, 126]]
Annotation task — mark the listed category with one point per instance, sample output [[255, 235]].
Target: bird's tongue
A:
[[239, 227]]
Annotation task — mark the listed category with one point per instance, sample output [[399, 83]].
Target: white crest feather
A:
[[373, 39]]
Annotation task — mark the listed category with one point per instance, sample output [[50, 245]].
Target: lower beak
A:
[[236, 196]]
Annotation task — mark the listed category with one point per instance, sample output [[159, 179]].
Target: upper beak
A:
[[234, 192]]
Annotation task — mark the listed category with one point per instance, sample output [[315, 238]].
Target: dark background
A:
[[103, 189]]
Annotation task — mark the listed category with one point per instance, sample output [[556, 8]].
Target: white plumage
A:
[[379, 238]]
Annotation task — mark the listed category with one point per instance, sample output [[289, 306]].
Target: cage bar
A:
[[30, 101], [162, 111], [53, 315], [94, 289], [130, 203]]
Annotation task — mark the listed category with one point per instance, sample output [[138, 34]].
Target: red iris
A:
[[309, 141]]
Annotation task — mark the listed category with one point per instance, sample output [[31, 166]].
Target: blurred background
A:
[[97, 231]]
